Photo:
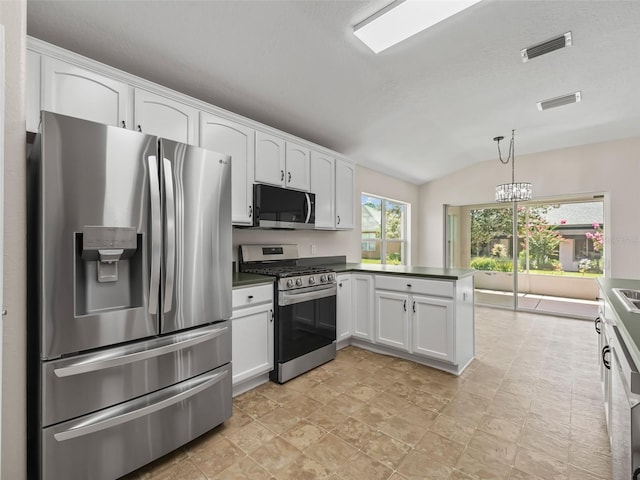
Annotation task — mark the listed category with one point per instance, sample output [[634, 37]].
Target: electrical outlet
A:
[[313, 249]]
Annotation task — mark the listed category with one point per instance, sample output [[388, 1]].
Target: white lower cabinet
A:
[[344, 310], [362, 295], [432, 327], [392, 319], [252, 336]]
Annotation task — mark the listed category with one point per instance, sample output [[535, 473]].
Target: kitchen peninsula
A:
[[423, 314]]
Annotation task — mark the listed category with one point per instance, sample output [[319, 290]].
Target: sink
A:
[[630, 298]]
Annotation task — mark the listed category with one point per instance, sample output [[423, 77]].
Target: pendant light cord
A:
[[511, 157]]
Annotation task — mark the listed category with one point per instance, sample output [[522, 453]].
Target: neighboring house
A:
[[573, 221], [370, 229]]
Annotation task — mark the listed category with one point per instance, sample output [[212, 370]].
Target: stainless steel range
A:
[[305, 321]]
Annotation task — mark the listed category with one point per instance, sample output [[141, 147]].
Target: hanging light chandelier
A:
[[511, 192]]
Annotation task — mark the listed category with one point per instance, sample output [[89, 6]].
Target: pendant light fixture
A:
[[511, 192]]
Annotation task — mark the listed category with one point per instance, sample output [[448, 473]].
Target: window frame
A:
[[383, 241]]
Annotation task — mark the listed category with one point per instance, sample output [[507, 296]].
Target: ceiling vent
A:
[[546, 47], [559, 101]]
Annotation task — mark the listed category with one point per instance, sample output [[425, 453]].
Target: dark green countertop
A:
[[246, 279], [628, 323], [426, 272]]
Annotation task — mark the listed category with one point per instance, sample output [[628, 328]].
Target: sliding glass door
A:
[[546, 261]]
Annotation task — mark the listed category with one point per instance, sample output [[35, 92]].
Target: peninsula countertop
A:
[[425, 272]]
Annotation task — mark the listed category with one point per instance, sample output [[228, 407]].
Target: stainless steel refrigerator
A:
[[129, 272]]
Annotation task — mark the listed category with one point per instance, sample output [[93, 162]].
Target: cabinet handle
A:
[[414, 307], [139, 128], [606, 349], [636, 474], [271, 312], [405, 306], [598, 321], [250, 210], [338, 219], [281, 175], [289, 177], [124, 125]]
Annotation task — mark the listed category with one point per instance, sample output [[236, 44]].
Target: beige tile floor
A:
[[528, 407]]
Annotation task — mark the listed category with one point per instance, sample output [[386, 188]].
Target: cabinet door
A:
[[362, 291], [344, 307], [163, 117], [81, 93], [33, 91], [269, 159], [298, 167], [392, 319], [251, 342], [237, 140], [432, 327], [345, 185], [323, 185]]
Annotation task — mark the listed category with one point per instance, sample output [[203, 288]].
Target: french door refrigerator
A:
[[129, 272]]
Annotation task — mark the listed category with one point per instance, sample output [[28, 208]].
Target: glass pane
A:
[[371, 217], [395, 253], [370, 251], [395, 219]]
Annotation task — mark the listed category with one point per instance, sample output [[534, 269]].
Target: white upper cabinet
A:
[[33, 91], [161, 116], [81, 93], [270, 167], [297, 164], [225, 136], [345, 186], [324, 187]]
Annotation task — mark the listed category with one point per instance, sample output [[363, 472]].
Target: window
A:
[[384, 231]]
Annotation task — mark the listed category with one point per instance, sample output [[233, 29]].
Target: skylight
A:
[[403, 19]]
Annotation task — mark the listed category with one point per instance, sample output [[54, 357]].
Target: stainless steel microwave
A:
[[276, 207]]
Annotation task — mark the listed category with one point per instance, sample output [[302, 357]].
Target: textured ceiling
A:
[[422, 109]]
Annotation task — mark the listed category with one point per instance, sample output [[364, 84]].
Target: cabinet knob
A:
[[139, 128], [408, 285], [124, 125], [250, 297], [340, 284]]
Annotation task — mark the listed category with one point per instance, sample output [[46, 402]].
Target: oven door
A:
[[306, 321]]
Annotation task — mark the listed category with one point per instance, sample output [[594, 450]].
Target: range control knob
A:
[[323, 278], [330, 277], [290, 283], [299, 282], [312, 280]]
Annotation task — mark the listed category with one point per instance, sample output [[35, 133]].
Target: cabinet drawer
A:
[[440, 288], [247, 296]]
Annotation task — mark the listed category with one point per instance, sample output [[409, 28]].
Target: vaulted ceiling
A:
[[420, 110]]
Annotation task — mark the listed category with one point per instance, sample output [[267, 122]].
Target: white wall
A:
[[612, 168], [343, 242], [13, 15]]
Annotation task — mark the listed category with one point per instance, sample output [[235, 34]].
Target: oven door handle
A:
[[289, 298]]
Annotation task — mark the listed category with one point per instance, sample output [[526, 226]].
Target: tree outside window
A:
[[384, 227]]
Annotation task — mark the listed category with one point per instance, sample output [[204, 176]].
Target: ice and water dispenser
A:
[[109, 269]]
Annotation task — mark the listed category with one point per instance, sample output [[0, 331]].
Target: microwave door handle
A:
[[156, 234], [308, 199], [170, 235]]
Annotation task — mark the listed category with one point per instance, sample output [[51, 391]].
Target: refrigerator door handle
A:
[[156, 234], [101, 364], [170, 235], [87, 428]]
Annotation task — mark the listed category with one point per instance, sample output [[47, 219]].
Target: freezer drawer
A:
[[83, 384], [117, 440]]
